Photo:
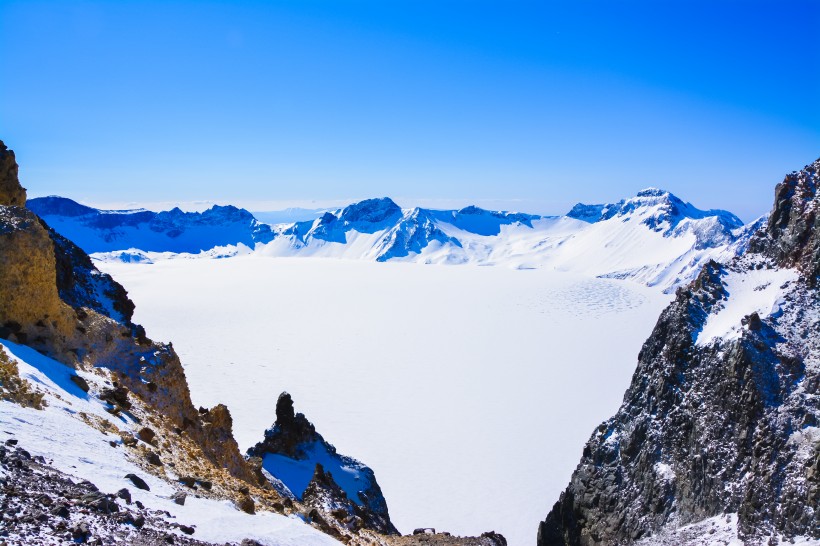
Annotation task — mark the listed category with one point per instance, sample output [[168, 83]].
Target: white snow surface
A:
[[758, 290], [59, 435], [470, 391]]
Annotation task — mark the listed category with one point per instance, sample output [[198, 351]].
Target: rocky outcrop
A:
[[30, 305], [791, 237], [80, 284], [716, 425], [321, 478], [56, 301], [12, 194]]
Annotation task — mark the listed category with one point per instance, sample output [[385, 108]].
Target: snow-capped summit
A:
[[370, 211], [659, 209]]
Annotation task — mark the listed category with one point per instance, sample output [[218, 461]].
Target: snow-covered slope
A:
[[653, 238], [73, 433], [96, 230]]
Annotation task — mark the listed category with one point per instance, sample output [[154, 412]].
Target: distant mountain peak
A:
[[660, 210], [370, 211], [654, 192]]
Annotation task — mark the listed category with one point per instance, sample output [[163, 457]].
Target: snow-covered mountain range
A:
[[653, 238]]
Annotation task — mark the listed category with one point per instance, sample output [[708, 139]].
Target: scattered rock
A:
[[179, 497], [146, 435], [117, 397], [138, 482], [246, 504], [80, 531], [60, 510], [80, 382], [99, 501], [152, 458]]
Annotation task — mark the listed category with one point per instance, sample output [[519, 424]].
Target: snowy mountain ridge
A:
[[718, 432], [654, 238], [96, 230]]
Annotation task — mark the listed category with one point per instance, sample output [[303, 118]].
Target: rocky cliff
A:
[[11, 192], [721, 418]]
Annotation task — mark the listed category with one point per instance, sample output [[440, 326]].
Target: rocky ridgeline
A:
[[728, 426]]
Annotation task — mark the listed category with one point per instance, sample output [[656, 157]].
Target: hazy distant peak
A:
[[659, 209], [370, 211]]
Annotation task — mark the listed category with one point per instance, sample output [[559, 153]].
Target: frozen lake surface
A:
[[469, 390]]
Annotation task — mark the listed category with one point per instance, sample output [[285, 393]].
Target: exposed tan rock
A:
[[15, 388], [219, 445], [30, 305], [11, 192]]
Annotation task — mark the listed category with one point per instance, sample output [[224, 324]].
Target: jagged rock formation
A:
[[792, 234], [721, 417], [317, 475], [12, 194]]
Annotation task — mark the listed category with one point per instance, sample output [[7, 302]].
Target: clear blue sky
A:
[[535, 105]]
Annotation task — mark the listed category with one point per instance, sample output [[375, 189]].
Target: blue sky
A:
[[514, 104]]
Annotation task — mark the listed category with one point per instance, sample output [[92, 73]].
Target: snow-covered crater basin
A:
[[469, 390]]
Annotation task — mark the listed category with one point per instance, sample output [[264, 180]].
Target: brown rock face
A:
[[11, 192], [30, 306], [218, 443], [53, 299]]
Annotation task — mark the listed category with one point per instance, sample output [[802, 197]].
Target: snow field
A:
[[470, 391]]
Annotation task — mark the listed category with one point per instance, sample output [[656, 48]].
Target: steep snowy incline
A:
[[73, 432], [653, 238]]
